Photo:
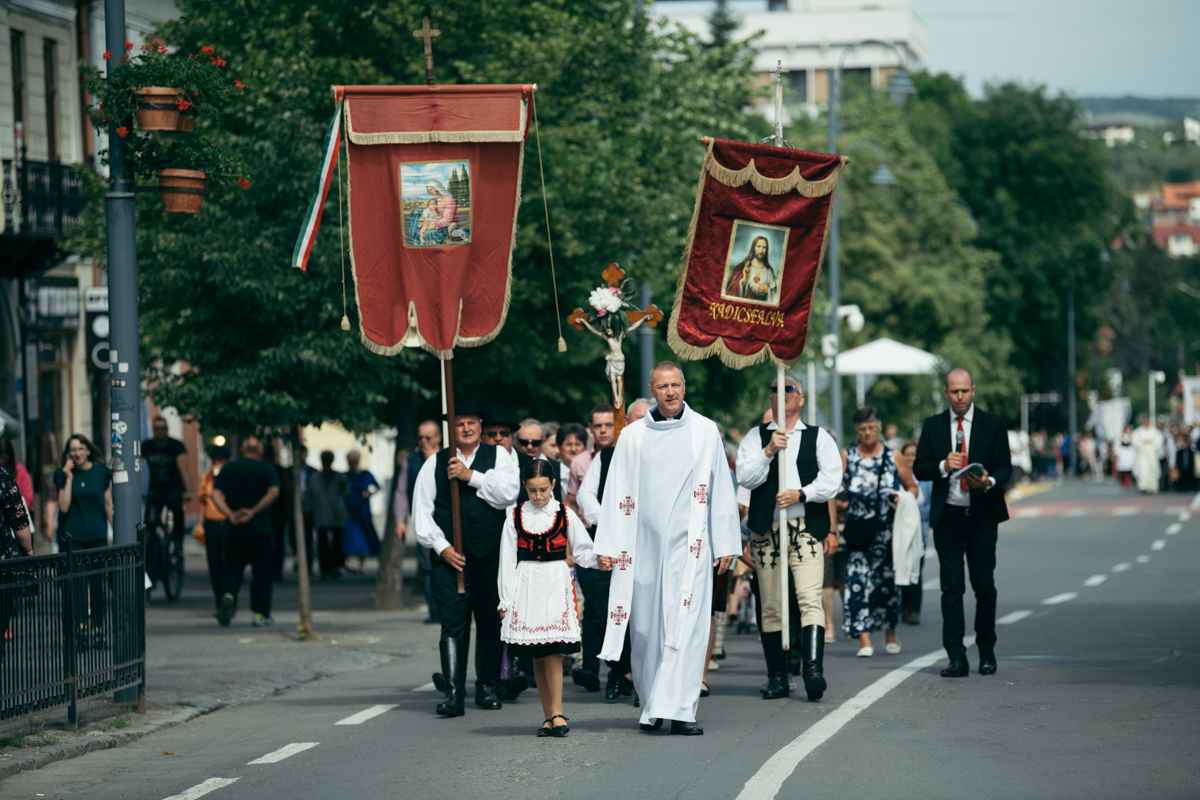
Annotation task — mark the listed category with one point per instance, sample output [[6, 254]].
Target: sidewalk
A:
[[194, 666]]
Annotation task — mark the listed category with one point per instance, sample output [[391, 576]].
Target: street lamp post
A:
[[899, 86]]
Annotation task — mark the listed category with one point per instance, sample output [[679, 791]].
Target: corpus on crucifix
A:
[[428, 34], [612, 319]]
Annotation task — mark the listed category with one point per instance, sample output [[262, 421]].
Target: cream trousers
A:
[[806, 560]]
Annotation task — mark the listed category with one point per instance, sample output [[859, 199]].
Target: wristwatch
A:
[[803, 497]]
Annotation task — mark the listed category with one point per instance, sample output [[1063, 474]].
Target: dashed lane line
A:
[[1142, 559], [1184, 516], [1060, 598], [1158, 544], [201, 789], [363, 716], [1122, 567], [1124, 511], [1095, 580], [1013, 617], [1075, 512], [426, 687], [284, 752], [1174, 528]]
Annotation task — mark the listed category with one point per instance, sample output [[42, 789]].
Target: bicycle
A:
[[164, 555]]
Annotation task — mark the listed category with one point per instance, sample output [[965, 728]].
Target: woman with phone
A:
[[85, 509]]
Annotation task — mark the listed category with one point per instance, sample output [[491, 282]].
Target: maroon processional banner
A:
[[435, 185], [753, 254]]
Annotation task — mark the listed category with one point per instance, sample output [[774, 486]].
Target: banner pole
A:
[[452, 443], [781, 421]]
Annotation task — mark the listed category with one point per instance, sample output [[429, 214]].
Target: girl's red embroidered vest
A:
[[548, 546]]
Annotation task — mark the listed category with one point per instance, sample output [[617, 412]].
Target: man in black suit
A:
[[965, 514]]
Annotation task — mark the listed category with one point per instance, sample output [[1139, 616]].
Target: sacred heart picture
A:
[[435, 203], [754, 263]]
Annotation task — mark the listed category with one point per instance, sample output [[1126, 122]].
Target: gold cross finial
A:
[[428, 35]]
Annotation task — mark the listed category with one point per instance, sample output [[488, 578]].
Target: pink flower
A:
[[601, 313]]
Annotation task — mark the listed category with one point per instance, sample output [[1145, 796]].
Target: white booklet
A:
[[976, 468]]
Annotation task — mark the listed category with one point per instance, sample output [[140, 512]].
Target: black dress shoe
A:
[[486, 697], [513, 687], [587, 679], [626, 687], [612, 692], [652, 727], [777, 686], [987, 664], [956, 669], [686, 728]]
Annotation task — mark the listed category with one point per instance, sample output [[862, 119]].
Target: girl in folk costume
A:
[[537, 594]]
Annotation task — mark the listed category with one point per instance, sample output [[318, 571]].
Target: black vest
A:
[[481, 524], [763, 510], [605, 457]]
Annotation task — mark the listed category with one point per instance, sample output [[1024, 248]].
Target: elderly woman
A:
[[873, 474]]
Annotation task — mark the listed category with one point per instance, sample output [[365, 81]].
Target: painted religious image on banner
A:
[[754, 263], [435, 203]]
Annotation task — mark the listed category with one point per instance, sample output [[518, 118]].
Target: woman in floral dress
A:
[[872, 599]]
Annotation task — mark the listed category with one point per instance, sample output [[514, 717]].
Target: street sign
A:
[[95, 303]]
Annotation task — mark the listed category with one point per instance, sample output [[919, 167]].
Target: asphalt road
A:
[[1097, 695]]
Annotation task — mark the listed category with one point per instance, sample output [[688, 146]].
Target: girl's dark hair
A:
[[94, 454], [865, 414], [538, 468]]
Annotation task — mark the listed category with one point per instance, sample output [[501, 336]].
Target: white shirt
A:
[[957, 496], [498, 487], [588, 496], [753, 466]]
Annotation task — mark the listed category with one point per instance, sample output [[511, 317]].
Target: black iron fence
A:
[[74, 626], [39, 198]]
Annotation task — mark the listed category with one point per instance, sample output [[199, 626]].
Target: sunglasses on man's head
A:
[[788, 389], [530, 442]]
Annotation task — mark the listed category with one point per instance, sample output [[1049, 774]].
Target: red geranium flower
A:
[[122, 132], [129, 45], [208, 51], [239, 84], [220, 62], [146, 48], [242, 182], [183, 105], [107, 55], [212, 61]]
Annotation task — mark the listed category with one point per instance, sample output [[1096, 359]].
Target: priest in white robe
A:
[[1147, 442], [668, 517]]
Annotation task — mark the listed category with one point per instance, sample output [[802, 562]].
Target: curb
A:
[[352, 661]]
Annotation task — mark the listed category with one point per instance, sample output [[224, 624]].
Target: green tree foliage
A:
[[1044, 203]]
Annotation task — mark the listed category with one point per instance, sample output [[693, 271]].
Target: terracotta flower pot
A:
[[156, 108], [182, 190]]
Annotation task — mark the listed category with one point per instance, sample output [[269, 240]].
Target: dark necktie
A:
[[962, 438]]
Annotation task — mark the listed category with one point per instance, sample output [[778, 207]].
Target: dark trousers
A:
[[91, 593], [215, 532], [425, 567], [957, 536], [624, 665], [481, 599], [594, 583], [329, 546], [910, 596], [257, 550], [154, 506]]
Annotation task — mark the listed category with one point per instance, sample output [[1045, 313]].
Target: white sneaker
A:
[[866, 652], [713, 666], [892, 648]]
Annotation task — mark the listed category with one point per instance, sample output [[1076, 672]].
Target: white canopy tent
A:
[[885, 357]]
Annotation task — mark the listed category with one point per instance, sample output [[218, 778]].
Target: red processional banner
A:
[[435, 185], [753, 254]]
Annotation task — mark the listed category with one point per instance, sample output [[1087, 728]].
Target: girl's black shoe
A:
[[559, 731], [544, 731]]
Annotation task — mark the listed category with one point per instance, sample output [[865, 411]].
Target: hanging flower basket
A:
[[182, 190], [157, 109]]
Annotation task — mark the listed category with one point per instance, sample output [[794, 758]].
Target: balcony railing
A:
[[40, 200]]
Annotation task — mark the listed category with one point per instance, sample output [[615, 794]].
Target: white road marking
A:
[[1028, 512], [1013, 618], [1124, 511], [932, 584], [1158, 544], [1095, 580], [284, 752], [767, 782], [428, 687], [1142, 559], [1184, 517], [1173, 510], [1075, 512], [363, 716], [1195, 502], [1174, 528], [1123, 566], [1060, 598], [202, 789]]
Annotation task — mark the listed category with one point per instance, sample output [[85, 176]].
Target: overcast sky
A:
[[1149, 48]]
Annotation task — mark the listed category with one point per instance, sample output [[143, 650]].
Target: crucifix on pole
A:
[[428, 34]]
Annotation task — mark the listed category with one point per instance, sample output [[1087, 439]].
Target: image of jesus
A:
[[754, 278]]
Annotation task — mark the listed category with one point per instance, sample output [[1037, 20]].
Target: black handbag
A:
[[860, 533]]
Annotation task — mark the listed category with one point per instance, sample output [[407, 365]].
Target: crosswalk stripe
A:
[[1174, 528], [1158, 544], [1095, 580], [1060, 598], [1142, 559], [201, 789], [1122, 567], [363, 716], [1014, 617], [284, 752]]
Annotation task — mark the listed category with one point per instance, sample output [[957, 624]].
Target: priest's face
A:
[[667, 388], [467, 430]]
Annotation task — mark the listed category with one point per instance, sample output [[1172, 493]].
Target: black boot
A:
[[777, 677], [487, 670], [450, 679], [812, 649], [612, 690], [486, 697]]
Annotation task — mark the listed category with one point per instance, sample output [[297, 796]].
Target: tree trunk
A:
[[305, 629], [389, 584]]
